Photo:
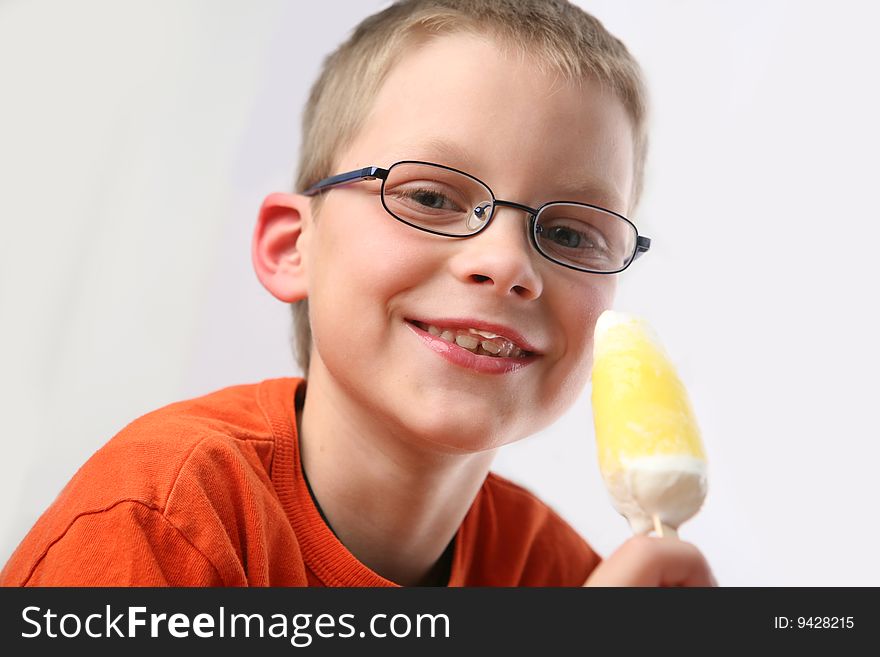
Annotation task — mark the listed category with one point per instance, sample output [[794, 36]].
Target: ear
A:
[[278, 249]]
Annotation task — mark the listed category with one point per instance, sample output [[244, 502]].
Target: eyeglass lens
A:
[[451, 203]]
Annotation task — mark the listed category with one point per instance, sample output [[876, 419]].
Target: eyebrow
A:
[[576, 187], [447, 150]]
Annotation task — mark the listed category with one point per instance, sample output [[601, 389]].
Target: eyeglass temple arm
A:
[[367, 173], [642, 246]]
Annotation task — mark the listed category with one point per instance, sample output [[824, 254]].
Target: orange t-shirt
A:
[[210, 492]]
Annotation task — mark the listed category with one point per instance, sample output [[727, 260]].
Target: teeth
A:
[[492, 344], [466, 341], [491, 347]]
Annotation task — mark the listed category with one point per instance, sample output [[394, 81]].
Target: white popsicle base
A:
[[670, 488]]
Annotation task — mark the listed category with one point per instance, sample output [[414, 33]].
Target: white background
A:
[[138, 139]]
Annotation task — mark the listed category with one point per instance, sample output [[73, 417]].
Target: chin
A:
[[459, 443], [464, 431]]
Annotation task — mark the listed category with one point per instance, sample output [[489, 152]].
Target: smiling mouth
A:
[[477, 341]]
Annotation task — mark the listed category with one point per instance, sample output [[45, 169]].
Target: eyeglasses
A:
[[445, 201]]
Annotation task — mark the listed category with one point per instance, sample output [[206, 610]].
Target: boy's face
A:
[[532, 138]]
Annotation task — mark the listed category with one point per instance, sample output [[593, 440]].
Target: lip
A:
[[467, 359]]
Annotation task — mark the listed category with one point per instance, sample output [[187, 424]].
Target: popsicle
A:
[[650, 453]]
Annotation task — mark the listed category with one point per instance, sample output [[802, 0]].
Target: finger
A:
[[648, 561]]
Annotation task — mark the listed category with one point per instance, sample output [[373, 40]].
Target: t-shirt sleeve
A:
[[128, 544]]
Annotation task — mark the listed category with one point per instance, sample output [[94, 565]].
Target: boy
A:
[[446, 317]]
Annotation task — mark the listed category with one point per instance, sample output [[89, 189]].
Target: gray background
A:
[[138, 139]]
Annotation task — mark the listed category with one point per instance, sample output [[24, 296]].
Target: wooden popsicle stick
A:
[[662, 529]]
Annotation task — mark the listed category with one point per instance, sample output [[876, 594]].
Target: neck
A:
[[393, 499]]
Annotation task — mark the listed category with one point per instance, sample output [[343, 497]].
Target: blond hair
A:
[[559, 36]]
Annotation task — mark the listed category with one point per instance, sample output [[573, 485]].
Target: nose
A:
[[500, 257]]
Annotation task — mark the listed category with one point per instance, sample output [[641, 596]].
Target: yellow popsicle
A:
[[650, 453]]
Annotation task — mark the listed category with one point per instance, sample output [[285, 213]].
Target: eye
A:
[[573, 240], [427, 199], [568, 237], [574, 235], [430, 198]]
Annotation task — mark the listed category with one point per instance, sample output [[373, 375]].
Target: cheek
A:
[[585, 304], [585, 301], [395, 257], [602, 299], [365, 257]]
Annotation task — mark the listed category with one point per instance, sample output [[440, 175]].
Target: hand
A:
[[652, 561]]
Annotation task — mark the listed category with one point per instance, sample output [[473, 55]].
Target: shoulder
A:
[[547, 549], [145, 460], [513, 501], [190, 458]]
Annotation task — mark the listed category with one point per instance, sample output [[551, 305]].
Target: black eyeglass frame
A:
[[643, 243]]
